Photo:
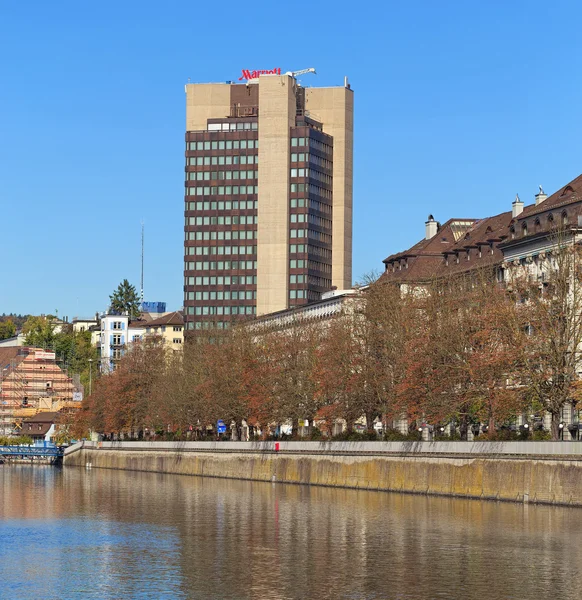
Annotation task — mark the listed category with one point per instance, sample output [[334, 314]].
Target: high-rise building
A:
[[268, 198]]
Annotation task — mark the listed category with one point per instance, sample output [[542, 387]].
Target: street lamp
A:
[[561, 429], [90, 376]]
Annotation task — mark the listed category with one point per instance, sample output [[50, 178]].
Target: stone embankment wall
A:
[[542, 472]]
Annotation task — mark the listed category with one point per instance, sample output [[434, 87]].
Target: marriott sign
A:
[[248, 75]]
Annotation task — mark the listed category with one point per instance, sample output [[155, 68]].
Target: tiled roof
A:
[[569, 194], [471, 240], [43, 417], [9, 354], [173, 318]]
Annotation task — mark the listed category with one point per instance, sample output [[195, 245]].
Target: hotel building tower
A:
[[268, 196]]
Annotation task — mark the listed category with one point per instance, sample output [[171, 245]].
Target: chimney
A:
[[541, 196], [517, 207], [431, 228]]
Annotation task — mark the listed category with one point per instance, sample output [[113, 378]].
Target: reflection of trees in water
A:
[[255, 540]]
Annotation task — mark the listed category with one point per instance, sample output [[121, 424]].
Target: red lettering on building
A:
[[248, 75]]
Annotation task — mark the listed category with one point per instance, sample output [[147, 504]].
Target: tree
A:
[[39, 332], [7, 329], [125, 299], [552, 316]]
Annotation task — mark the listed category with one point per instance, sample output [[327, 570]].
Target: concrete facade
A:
[[543, 472], [334, 107], [206, 101], [277, 102]]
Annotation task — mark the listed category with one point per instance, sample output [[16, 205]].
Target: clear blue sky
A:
[[458, 106]]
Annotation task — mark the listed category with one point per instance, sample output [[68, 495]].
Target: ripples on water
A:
[[107, 534]]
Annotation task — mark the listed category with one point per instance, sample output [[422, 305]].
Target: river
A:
[[76, 533]]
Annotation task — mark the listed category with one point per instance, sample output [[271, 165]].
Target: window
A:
[[176, 341], [564, 218]]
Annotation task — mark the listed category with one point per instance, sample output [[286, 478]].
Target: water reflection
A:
[[99, 534]]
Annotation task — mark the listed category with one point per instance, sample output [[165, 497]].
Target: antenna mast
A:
[[142, 236]]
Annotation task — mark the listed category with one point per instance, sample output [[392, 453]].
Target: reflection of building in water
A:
[[211, 538]]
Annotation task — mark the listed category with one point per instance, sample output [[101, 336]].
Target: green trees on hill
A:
[[7, 329]]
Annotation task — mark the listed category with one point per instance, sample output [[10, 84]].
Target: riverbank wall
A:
[[536, 472]]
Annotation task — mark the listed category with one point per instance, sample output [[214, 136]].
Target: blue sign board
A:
[[220, 426]]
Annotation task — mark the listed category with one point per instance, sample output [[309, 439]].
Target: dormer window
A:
[[564, 219], [524, 230], [537, 225], [512, 231]]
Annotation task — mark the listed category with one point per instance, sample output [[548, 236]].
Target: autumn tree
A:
[[434, 380], [291, 354], [123, 400], [552, 315], [496, 344]]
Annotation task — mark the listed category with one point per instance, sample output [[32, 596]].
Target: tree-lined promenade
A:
[[465, 350]]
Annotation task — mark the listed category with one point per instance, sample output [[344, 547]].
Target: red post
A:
[[276, 446]]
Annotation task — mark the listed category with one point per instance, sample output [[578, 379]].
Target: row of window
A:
[[228, 220], [297, 248], [297, 294], [296, 278], [319, 176], [538, 225], [313, 173], [317, 145], [223, 205], [320, 162], [314, 265], [299, 141], [221, 175], [220, 265], [313, 189], [221, 235], [321, 252], [297, 233], [321, 282], [222, 190], [209, 325], [298, 218], [222, 144], [297, 264], [298, 202], [221, 310], [299, 157], [229, 295], [206, 250], [199, 161], [320, 237], [233, 126], [320, 221], [319, 206], [221, 280]]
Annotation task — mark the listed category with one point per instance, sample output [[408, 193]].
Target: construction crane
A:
[[302, 72]]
